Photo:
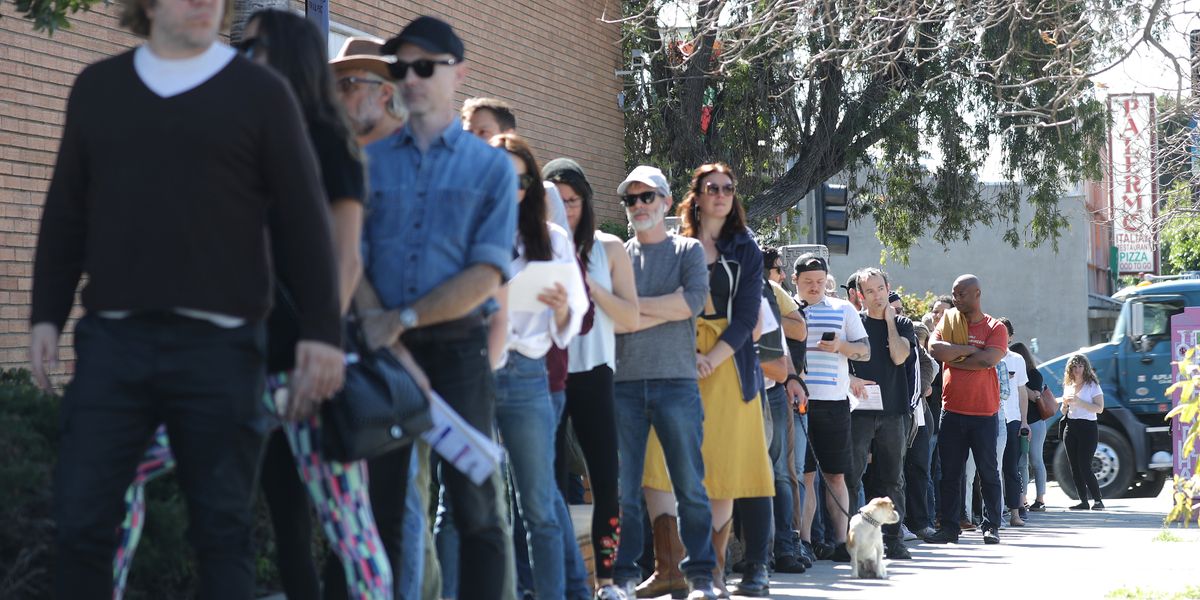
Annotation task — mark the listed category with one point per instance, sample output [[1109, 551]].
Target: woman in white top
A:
[[592, 357], [524, 413], [1081, 401]]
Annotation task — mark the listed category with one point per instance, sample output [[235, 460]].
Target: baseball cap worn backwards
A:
[[810, 262]]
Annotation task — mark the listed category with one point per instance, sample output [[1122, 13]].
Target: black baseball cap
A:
[[810, 262], [431, 34], [851, 283]]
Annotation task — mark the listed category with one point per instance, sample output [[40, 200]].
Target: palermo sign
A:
[[1134, 187]]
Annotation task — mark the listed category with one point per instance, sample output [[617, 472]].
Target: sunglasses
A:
[[526, 181], [247, 46], [776, 268], [423, 68], [713, 189], [346, 84], [644, 197]]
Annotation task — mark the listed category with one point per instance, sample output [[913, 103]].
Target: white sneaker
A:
[[907, 535]]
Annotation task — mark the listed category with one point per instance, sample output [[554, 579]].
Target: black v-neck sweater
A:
[[186, 201]]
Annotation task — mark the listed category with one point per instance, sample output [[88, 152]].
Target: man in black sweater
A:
[[184, 175]]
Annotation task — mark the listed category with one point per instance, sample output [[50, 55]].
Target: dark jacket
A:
[[747, 298]]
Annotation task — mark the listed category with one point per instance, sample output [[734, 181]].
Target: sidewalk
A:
[[1061, 554]]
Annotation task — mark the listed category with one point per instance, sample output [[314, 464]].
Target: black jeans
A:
[[291, 521], [890, 436], [460, 373], [132, 374], [1012, 458], [916, 479], [1081, 438], [959, 434], [590, 406]]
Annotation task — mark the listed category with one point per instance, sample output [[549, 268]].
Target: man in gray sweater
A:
[[656, 386]]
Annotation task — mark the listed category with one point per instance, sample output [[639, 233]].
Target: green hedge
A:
[[163, 566]]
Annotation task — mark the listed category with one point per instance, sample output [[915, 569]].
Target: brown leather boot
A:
[[720, 542], [668, 552]]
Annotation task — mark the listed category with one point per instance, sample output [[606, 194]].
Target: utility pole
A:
[[317, 11]]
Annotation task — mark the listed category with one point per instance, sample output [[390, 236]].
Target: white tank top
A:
[[598, 346]]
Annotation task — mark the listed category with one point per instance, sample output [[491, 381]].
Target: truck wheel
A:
[[1149, 487], [1112, 463]]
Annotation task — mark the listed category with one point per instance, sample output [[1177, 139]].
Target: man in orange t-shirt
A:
[[970, 400]]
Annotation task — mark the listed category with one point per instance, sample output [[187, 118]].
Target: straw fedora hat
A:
[[362, 53]]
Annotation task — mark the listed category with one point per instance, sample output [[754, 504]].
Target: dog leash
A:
[[808, 442]]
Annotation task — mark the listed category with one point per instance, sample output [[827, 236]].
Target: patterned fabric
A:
[[339, 493]]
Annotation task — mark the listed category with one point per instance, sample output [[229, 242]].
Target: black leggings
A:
[[1081, 438], [291, 520], [590, 406]]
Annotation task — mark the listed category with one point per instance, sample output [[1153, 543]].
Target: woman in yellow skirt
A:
[[736, 463]]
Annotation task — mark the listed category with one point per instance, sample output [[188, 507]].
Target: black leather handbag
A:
[[379, 409]]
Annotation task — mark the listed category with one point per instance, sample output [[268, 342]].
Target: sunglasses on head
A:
[[644, 197], [247, 46], [526, 181], [423, 67], [713, 189]]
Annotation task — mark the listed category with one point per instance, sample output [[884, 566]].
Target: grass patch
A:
[[1192, 592], [1166, 536]]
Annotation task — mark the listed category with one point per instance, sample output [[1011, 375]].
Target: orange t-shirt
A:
[[969, 391]]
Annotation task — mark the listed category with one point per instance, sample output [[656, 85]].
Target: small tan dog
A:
[[865, 541]]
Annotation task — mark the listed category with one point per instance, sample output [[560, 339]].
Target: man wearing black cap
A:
[[438, 243], [835, 336], [852, 293]]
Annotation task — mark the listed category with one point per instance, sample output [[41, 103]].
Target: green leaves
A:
[[51, 15]]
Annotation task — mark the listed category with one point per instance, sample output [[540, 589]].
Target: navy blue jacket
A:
[[747, 299]]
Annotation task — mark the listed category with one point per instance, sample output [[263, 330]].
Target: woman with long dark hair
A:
[[1037, 433], [525, 414], [292, 467], [736, 462], [1082, 401], [592, 358]]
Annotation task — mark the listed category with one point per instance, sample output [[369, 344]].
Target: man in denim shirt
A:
[[438, 241]]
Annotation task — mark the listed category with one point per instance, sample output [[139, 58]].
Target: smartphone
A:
[[828, 336]]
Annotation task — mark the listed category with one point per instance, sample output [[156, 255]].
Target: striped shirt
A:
[[828, 372]]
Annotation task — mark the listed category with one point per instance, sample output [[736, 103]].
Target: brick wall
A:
[[553, 60]]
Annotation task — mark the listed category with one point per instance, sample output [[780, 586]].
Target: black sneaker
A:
[[1037, 506], [943, 536], [822, 551], [1098, 505], [840, 554], [789, 564], [756, 583], [805, 554], [896, 550], [1081, 506], [991, 536]]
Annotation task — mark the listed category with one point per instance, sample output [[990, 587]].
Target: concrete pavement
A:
[[1060, 554]]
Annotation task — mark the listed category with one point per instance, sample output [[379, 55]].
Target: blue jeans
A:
[[408, 580], [526, 419], [673, 408], [576, 571], [1037, 438], [785, 536]]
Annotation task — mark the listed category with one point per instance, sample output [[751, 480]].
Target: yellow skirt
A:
[[736, 463]]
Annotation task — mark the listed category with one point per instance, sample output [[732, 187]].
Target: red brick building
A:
[[553, 60]]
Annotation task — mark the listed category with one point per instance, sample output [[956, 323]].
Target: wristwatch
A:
[[408, 318]]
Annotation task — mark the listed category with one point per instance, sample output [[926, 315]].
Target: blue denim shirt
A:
[[432, 215]]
